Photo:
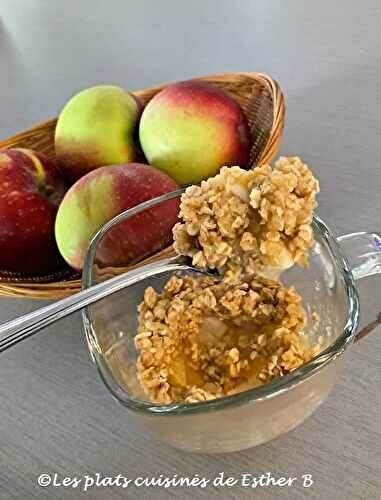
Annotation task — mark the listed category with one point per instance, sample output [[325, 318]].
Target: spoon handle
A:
[[16, 330]]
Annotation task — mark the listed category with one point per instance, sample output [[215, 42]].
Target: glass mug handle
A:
[[363, 252]]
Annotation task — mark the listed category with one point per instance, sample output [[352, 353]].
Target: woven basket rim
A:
[[272, 85]]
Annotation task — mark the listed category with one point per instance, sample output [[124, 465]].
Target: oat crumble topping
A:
[[247, 221], [205, 338]]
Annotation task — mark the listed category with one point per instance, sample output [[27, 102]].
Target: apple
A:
[[191, 129], [96, 128], [100, 195], [31, 189]]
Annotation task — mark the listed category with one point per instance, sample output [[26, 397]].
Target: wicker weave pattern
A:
[[263, 103]]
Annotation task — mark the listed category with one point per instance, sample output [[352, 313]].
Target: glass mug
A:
[[250, 418]]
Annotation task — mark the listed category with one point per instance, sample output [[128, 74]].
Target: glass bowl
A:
[[327, 286]]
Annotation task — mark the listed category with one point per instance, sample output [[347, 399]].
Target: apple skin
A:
[[97, 128], [31, 188], [191, 129], [100, 195]]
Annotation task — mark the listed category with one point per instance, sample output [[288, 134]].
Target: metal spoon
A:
[[14, 331], [23, 327]]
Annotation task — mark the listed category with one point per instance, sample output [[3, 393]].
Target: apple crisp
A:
[[204, 338], [249, 221], [208, 337]]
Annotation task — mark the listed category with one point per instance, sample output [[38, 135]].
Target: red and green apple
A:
[[31, 189], [191, 129], [100, 195]]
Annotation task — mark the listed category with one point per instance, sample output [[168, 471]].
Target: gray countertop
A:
[[55, 415]]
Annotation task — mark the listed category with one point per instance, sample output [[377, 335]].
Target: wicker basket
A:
[[263, 104]]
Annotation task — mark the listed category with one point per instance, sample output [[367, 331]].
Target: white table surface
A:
[[55, 414]]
